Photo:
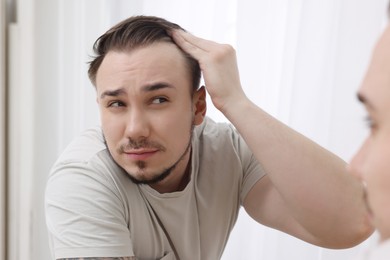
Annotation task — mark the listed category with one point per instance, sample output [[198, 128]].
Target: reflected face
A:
[[372, 162], [148, 112]]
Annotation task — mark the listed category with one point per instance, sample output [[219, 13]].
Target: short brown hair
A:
[[134, 32]]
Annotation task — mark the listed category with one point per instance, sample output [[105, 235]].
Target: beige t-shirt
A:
[[94, 210]]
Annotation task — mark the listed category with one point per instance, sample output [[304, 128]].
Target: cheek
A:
[[372, 161], [177, 115], [176, 127], [112, 128], [377, 177], [378, 170], [359, 162]]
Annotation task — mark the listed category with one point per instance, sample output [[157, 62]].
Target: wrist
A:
[[235, 107]]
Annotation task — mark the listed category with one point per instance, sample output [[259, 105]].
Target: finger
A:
[[186, 44], [200, 43], [193, 45]]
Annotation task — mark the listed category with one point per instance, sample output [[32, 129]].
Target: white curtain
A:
[[301, 61], [3, 92]]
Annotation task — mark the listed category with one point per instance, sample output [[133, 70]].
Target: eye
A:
[[115, 103], [159, 100]]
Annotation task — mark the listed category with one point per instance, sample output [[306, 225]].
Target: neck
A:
[[179, 177]]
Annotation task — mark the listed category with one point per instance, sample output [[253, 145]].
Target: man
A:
[[160, 180], [371, 164]]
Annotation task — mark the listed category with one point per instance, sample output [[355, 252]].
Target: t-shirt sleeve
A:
[[85, 214], [252, 173], [251, 168]]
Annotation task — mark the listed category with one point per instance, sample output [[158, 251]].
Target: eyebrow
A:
[[156, 86], [146, 88], [113, 93]]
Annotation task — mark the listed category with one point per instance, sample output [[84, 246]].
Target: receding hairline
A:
[[136, 32], [184, 56], [123, 49]]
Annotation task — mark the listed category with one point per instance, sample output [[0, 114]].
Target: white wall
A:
[[21, 128], [301, 61], [2, 127]]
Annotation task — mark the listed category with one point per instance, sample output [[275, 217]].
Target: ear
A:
[[200, 107]]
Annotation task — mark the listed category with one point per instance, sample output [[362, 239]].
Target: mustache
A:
[[138, 144]]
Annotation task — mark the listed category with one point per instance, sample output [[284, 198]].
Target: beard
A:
[[142, 165], [159, 176]]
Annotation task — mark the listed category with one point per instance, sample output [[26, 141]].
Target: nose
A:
[[137, 125], [357, 164]]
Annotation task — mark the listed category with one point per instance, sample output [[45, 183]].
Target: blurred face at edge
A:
[[371, 164]]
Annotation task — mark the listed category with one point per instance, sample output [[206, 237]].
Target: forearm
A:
[[314, 183], [311, 181]]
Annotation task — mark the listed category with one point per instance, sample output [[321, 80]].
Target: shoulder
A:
[[222, 141], [215, 130], [83, 173], [221, 136], [85, 161], [84, 147]]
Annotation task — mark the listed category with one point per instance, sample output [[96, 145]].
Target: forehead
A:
[[158, 61], [376, 84]]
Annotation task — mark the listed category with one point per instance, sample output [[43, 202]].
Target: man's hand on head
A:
[[219, 67]]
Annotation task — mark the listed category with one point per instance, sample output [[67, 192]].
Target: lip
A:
[[139, 155]]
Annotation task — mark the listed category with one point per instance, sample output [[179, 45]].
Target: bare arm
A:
[[307, 191], [310, 189]]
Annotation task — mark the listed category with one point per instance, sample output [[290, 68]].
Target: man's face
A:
[[372, 162], [148, 111]]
